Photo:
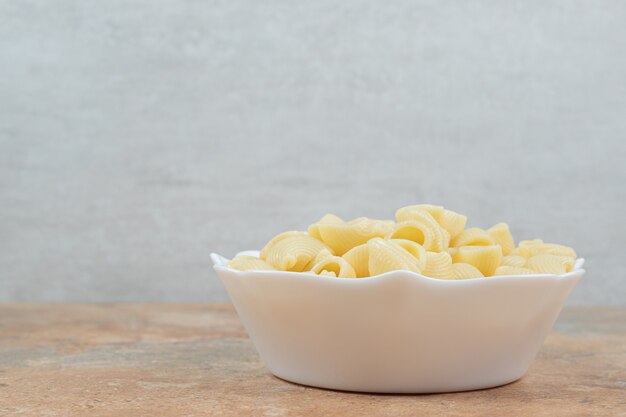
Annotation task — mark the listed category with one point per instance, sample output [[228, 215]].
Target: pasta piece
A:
[[438, 265], [485, 258], [528, 248], [501, 233], [323, 254], [420, 215], [453, 222], [334, 266], [278, 238], [450, 221], [513, 260], [385, 256], [327, 219], [294, 253], [513, 270], [367, 222], [473, 237], [426, 238], [425, 217], [464, 271], [414, 249], [358, 258], [525, 244], [249, 263], [550, 264], [407, 213], [341, 237], [431, 236]]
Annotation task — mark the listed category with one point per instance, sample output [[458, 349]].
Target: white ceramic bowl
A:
[[399, 332]]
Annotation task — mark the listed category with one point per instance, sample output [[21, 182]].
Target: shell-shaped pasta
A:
[[501, 233], [528, 248], [407, 213], [327, 219], [438, 265], [423, 216], [513, 270], [249, 263], [341, 237], [527, 243], [278, 238], [414, 249], [485, 258], [358, 258], [294, 253], [323, 254], [550, 264], [513, 260], [473, 237], [366, 222], [464, 271], [334, 266], [431, 236], [385, 256], [453, 222]]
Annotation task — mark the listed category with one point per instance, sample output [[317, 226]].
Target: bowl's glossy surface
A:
[[399, 332]]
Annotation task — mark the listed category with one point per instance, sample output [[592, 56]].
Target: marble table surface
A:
[[196, 360]]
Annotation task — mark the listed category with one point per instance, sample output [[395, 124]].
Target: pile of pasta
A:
[[426, 239]]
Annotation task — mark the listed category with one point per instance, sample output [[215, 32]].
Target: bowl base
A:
[[398, 391]]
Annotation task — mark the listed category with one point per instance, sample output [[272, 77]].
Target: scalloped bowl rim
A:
[[220, 262]]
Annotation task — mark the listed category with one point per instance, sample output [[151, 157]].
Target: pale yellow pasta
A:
[[422, 216], [431, 236], [327, 219], [249, 263], [453, 222], [293, 253], [385, 256], [450, 221], [341, 237], [414, 249], [550, 264], [407, 213], [462, 270], [473, 237], [278, 238], [502, 235], [524, 244], [323, 254], [485, 258], [438, 265], [358, 258], [513, 270], [334, 266], [528, 248], [513, 260], [425, 238]]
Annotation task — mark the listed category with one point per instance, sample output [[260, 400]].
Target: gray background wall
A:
[[138, 136]]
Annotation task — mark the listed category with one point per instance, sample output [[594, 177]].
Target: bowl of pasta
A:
[[421, 304]]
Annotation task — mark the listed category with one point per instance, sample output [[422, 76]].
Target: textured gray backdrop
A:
[[138, 136]]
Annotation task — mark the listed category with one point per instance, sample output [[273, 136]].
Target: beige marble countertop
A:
[[196, 360]]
